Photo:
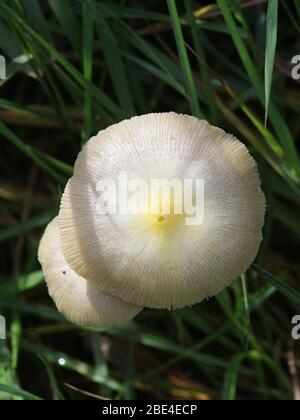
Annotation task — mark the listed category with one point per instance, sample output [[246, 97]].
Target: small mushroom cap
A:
[[164, 263], [78, 300]]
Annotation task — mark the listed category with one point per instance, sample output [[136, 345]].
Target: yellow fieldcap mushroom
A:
[[78, 300], [159, 260]]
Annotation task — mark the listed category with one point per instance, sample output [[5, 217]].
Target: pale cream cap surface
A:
[[78, 300], [163, 267]]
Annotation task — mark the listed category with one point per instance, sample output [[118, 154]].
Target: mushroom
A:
[[78, 300], [158, 260]]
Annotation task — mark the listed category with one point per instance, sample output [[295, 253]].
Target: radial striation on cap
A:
[[162, 262], [78, 300]]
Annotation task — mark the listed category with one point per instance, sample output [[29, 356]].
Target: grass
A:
[[73, 68]]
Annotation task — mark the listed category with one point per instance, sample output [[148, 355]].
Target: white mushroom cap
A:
[[169, 264], [78, 300]]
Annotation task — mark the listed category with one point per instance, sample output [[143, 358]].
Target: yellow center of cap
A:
[[167, 219]]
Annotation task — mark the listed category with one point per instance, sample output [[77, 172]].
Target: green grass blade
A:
[[271, 42], [167, 66], [242, 50], [197, 38], [21, 284], [157, 72], [105, 101], [13, 390], [84, 369], [29, 151], [230, 383], [21, 227], [184, 61], [88, 35], [297, 7], [115, 65], [38, 310], [281, 128], [287, 215], [56, 392], [161, 343], [283, 288], [36, 15], [65, 13], [15, 334], [8, 43]]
